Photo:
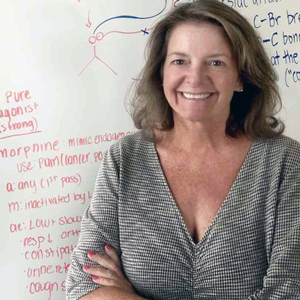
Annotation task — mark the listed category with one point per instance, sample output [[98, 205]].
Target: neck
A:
[[190, 137]]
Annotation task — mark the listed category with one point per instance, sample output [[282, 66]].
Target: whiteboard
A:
[[65, 70]]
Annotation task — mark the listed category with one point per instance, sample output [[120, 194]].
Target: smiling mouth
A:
[[196, 96]]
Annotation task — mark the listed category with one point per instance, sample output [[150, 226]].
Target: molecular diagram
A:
[[99, 36]]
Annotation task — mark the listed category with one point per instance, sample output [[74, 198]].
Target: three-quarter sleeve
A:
[[282, 280], [99, 226]]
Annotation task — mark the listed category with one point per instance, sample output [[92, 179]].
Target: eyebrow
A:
[[178, 53], [211, 55]]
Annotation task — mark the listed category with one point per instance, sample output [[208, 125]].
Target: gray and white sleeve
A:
[[99, 225], [282, 280]]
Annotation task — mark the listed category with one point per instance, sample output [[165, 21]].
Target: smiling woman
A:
[[198, 81], [204, 201], [251, 112]]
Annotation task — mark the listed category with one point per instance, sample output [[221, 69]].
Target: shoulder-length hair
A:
[[252, 111]]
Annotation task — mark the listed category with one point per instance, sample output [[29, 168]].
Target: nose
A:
[[197, 76]]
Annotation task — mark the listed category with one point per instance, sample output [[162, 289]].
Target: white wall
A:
[[278, 24], [70, 85]]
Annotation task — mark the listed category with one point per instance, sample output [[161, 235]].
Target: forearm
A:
[[111, 293]]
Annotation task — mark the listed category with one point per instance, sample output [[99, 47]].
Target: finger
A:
[[126, 286], [104, 281], [112, 253], [103, 260], [100, 272], [108, 278]]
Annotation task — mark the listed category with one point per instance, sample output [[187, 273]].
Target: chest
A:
[[199, 188]]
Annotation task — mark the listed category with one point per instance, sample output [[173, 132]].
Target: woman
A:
[[203, 202]]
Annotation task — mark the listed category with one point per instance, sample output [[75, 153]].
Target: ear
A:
[[239, 86]]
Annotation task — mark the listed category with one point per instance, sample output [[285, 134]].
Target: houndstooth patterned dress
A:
[[250, 251]]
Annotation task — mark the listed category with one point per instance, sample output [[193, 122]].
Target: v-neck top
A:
[[250, 250]]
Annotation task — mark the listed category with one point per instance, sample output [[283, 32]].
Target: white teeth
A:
[[200, 96]]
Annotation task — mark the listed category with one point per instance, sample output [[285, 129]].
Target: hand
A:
[[112, 273]]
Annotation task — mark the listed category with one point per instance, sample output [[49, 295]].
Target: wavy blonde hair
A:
[[252, 112]]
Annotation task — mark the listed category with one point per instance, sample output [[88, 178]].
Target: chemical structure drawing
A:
[[99, 36]]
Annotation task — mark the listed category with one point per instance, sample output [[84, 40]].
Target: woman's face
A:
[[200, 74]]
